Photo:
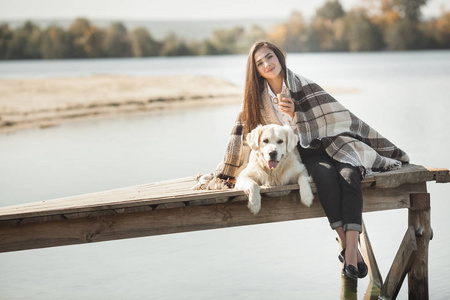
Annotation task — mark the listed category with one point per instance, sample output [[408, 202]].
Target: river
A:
[[404, 95]]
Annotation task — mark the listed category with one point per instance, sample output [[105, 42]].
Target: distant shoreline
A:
[[47, 102]]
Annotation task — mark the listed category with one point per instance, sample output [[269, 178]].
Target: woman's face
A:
[[267, 63]]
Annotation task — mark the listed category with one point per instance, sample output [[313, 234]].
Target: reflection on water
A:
[[372, 292], [349, 290]]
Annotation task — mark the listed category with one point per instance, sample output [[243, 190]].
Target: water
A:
[[403, 95]]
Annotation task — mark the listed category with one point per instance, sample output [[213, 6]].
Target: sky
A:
[[172, 9]]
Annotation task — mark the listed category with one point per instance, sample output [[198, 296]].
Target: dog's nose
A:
[[273, 154]]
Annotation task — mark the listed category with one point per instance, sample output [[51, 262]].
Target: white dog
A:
[[274, 161]]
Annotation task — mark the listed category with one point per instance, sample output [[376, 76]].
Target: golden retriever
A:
[[274, 161]]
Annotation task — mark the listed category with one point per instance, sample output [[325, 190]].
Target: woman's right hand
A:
[[287, 106]]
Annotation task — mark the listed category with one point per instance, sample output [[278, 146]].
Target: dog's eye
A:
[[265, 141], [280, 142]]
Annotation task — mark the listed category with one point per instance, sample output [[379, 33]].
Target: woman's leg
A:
[[351, 248], [352, 203], [330, 180], [325, 176]]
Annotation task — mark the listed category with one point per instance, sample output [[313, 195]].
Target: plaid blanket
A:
[[319, 117]]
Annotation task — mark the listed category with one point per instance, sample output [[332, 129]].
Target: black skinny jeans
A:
[[338, 186]]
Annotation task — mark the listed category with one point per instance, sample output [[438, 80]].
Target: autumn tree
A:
[[361, 33], [25, 42], [55, 43], [207, 48], [403, 35], [326, 35], [86, 39], [93, 41], [429, 34], [255, 34], [116, 42], [408, 9], [5, 37], [443, 30], [437, 31], [375, 25], [292, 35], [278, 35], [381, 12], [174, 46], [326, 31], [296, 33], [143, 44], [77, 32], [229, 41], [332, 10], [399, 21], [194, 46]]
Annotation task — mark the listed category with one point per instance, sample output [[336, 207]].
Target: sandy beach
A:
[[45, 102]]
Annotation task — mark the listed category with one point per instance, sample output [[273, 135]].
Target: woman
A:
[[336, 147]]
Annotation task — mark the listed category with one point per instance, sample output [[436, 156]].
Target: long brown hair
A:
[[254, 85]]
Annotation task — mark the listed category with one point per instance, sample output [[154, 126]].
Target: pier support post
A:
[[400, 266], [419, 218]]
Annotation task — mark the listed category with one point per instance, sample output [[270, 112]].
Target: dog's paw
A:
[[254, 208], [306, 197], [254, 204]]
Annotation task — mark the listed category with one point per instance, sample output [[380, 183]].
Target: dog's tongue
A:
[[272, 164]]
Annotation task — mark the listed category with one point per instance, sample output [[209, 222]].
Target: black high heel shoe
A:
[[362, 266]]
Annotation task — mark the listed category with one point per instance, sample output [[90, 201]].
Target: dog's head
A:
[[273, 142]]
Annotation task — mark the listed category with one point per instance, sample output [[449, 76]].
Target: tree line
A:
[[375, 25]]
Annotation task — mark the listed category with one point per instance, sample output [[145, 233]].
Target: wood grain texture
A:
[[400, 266], [419, 219], [112, 224], [179, 190], [172, 206]]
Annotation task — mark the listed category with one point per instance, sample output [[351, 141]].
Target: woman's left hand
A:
[[287, 106]]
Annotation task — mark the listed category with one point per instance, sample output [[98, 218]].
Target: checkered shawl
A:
[[320, 117]]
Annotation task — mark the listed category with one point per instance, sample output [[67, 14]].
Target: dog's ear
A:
[[291, 139], [253, 138]]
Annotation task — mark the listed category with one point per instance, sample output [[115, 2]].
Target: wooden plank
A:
[[109, 200], [164, 221], [125, 195], [179, 190], [384, 199], [410, 173], [123, 198], [419, 219], [143, 195], [400, 266], [151, 199], [420, 201], [112, 225], [380, 201]]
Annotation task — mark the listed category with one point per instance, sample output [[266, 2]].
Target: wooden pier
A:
[[172, 207]]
